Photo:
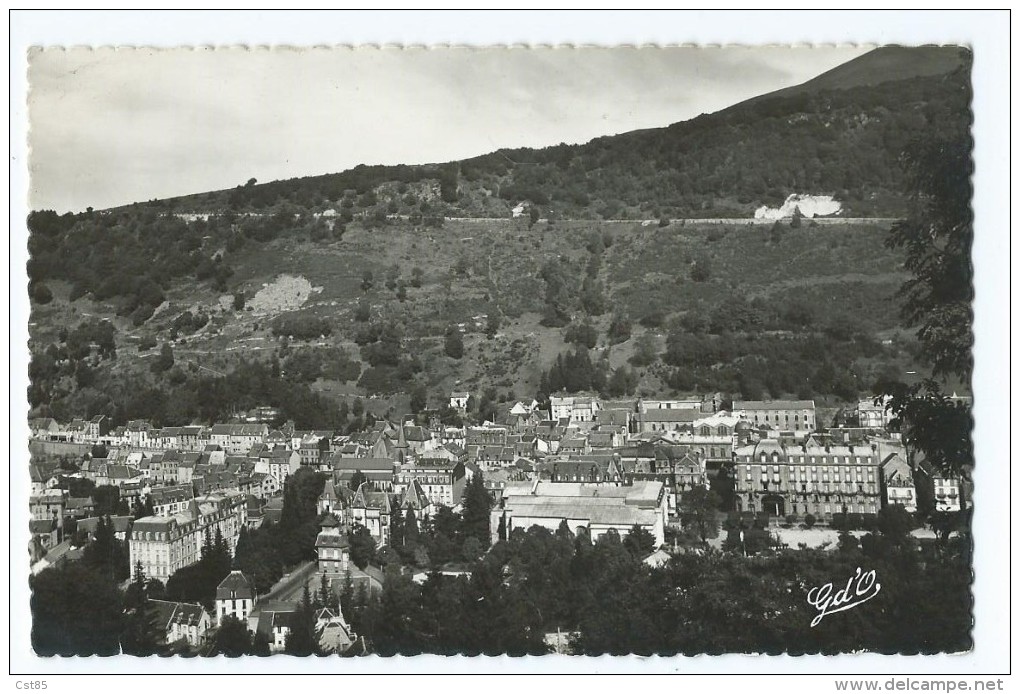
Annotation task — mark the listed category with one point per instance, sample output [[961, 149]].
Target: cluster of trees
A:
[[536, 582], [446, 536], [164, 361], [197, 583], [141, 633], [74, 359], [130, 256], [938, 299], [194, 396], [804, 365], [77, 605], [308, 365], [76, 611], [187, 323], [391, 366], [576, 371], [453, 343], [301, 326], [267, 552], [560, 288], [563, 293], [581, 333], [572, 372], [352, 418]]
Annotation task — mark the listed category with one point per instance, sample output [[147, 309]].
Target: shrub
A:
[[41, 294], [301, 327], [454, 343], [581, 334], [810, 520], [653, 320]]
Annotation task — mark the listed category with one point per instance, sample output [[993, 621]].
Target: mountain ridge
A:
[[880, 91]]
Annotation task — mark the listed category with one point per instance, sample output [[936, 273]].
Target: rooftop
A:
[[773, 404]]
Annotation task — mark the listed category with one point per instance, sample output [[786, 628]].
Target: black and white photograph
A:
[[542, 351]]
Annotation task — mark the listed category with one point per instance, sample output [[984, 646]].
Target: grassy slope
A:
[[646, 269]]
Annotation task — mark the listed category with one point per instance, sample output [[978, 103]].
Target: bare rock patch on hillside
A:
[[286, 293]]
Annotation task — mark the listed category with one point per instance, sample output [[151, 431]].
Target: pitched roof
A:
[[239, 430], [42, 526], [341, 463], [284, 620], [364, 498], [331, 540], [39, 474], [414, 497], [235, 585], [184, 613], [79, 502], [329, 491], [684, 416], [122, 472], [121, 524], [417, 433]]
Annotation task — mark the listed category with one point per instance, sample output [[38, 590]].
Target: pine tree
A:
[[245, 546], [347, 591], [477, 504], [397, 529], [138, 590], [301, 639], [207, 545], [501, 529], [410, 528], [141, 635], [232, 638], [104, 552], [221, 555], [325, 597]]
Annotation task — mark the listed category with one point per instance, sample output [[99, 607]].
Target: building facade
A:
[[596, 509], [441, 479], [235, 596], [774, 479], [795, 416], [164, 545]]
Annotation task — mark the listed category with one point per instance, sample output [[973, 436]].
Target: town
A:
[[674, 475], [663, 392]]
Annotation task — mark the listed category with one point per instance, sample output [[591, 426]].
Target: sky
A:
[[109, 127]]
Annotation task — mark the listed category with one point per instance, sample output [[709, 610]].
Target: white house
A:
[[235, 596]]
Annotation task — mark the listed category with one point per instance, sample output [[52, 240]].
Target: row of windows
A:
[[834, 473], [776, 465]]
